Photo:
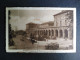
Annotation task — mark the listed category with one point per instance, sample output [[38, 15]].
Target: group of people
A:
[[32, 39], [35, 38]]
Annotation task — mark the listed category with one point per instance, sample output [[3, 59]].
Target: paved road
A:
[[21, 43]]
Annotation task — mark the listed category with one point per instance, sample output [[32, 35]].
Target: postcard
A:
[[40, 29]]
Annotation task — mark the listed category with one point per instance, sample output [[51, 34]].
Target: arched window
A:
[[66, 33], [65, 22], [60, 23], [56, 33]]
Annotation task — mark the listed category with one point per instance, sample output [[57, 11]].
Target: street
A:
[[40, 45]]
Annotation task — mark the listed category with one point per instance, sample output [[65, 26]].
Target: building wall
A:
[[63, 27], [63, 21]]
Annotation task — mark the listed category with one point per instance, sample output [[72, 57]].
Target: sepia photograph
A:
[[40, 30]]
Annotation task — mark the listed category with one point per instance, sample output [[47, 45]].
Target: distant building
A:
[[61, 27], [30, 28]]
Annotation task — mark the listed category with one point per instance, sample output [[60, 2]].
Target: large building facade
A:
[[61, 27]]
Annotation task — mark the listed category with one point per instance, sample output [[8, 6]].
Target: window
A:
[[65, 22], [60, 23], [56, 23]]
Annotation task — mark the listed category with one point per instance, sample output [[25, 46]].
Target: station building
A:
[[60, 27]]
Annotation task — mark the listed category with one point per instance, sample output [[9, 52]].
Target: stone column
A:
[[54, 33], [48, 33], [38, 32], [58, 34], [63, 33], [42, 32], [51, 33]]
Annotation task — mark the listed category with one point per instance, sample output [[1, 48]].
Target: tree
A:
[[11, 42]]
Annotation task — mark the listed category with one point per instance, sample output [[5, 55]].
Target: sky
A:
[[19, 18]]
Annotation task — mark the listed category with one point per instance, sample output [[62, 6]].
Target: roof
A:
[[64, 11], [32, 23], [50, 22]]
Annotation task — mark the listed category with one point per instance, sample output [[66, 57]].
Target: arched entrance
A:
[[61, 33], [56, 33], [52, 32], [46, 32], [49, 32], [66, 33]]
